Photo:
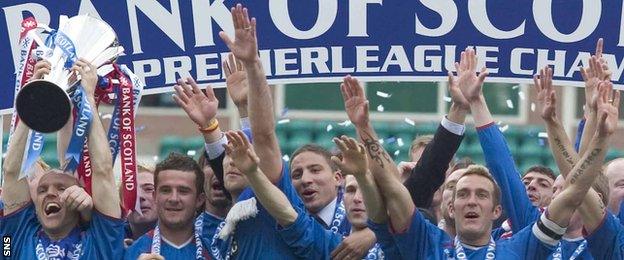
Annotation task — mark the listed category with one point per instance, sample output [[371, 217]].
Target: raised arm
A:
[[105, 196], [592, 208], [270, 196], [498, 158], [396, 197], [260, 103], [429, 173], [585, 171], [355, 162], [597, 71], [15, 192]]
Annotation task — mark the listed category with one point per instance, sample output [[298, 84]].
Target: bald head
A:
[[615, 174]]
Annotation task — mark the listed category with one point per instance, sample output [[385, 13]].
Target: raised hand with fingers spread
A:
[[245, 44], [354, 160], [468, 83], [546, 96], [608, 105], [236, 83], [356, 104], [200, 106], [241, 152]]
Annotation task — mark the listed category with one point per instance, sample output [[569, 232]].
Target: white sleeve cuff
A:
[[244, 121], [215, 149], [453, 127]]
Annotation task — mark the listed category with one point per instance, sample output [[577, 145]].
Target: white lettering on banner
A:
[[281, 62], [113, 142], [127, 143], [477, 9], [558, 63], [484, 58], [397, 57], [336, 54], [81, 129], [590, 17], [435, 61], [140, 70], [86, 160], [327, 11], [358, 14], [448, 12], [180, 65], [318, 60], [14, 16], [578, 63], [616, 68], [38, 143], [204, 13], [363, 58], [202, 65], [516, 61], [169, 23]]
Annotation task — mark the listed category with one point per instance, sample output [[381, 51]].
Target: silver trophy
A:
[[44, 105]]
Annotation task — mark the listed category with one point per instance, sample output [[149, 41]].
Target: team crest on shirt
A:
[[55, 251]]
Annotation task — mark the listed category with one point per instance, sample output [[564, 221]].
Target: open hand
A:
[[608, 105], [201, 107], [236, 81], [356, 104], [546, 97], [241, 152], [467, 82], [354, 160], [245, 44]]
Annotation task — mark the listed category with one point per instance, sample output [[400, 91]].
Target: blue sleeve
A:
[[525, 244], [579, 135], [421, 240], [497, 233], [385, 240], [607, 242], [308, 239], [22, 227], [499, 161], [104, 237], [285, 185], [140, 246]]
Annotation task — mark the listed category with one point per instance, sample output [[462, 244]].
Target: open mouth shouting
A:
[[52, 209]]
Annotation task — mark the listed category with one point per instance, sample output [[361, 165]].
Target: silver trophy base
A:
[[43, 106]]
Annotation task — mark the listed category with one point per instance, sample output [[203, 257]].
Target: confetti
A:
[[380, 108], [107, 116], [329, 127], [515, 87], [396, 153], [510, 104], [409, 121], [503, 128], [381, 141], [532, 107], [345, 123], [283, 121], [542, 135], [155, 158], [284, 112], [391, 140], [383, 94], [400, 142], [191, 152], [521, 95], [139, 129], [285, 157], [447, 99]]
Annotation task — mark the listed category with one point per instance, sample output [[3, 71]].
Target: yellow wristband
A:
[[214, 124]]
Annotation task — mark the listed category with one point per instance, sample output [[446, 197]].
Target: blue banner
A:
[[323, 40]]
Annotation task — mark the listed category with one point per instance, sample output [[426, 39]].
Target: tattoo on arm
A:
[[15, 205], [585, 164], [563, 151], [374, 149]]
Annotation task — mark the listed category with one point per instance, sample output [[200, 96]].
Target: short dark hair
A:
[[180, 162], [542, 170], [317, 149]]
